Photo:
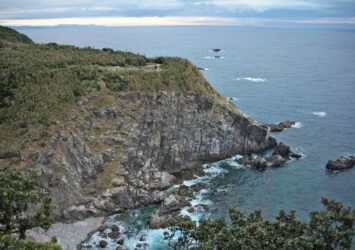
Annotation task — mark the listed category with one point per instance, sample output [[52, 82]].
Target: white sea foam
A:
[[320, 113], [214, 57], [297, 125], [251, 79], [214, 169]]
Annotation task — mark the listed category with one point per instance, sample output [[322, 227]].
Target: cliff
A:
[[123, 154], [107, 137]]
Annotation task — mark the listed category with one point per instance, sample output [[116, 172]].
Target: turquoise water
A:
[[272, 74]]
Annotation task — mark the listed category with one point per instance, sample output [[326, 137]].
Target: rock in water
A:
[[103, 244], [165, 215], [280, 126], [279, 157], [216, 50], [342, 163], [282, 150], [185, 191]]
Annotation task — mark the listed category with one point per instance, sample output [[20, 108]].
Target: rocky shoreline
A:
[[124, 154]]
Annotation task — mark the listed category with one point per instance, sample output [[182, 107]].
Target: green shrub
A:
[[330, 228]]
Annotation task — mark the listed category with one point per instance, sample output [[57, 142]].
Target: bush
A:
[[17, 192], [330, 228]]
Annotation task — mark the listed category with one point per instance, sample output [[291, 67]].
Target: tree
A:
[[330, 228], [17, 192]]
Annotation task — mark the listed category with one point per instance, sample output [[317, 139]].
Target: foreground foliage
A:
[[17, 192], [330, 228], [10, 243]]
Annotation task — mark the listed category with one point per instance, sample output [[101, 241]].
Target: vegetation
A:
[[39, 80], [10, 243], [330, 228], [18, 191], [8, 35]]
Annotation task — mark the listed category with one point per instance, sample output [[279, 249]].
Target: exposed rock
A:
[[191, 210], [103, 244], [185, 191], [167, 212], [282, 149], [37, 237], [115, 232], [279, 157], [147, 138], [342, 163], [281, 126], [142, 238], [216, 50], [198, 186], [202, 207], [78, 212], [120, 242], [167, 180]]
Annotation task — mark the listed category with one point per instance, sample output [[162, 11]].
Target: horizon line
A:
[[174, 21]]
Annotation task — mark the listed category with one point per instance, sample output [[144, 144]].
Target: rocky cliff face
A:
[[122, 152]]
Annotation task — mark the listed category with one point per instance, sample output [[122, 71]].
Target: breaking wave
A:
[[320, 113], [251, 79]]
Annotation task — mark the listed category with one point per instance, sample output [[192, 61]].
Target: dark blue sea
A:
[[305, 75]]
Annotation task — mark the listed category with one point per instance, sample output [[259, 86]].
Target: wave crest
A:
[[320, 113], [251, 79]]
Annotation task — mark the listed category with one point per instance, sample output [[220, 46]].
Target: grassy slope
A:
[[40, 82]]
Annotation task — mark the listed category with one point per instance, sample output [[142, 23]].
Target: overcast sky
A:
[[174, 12]]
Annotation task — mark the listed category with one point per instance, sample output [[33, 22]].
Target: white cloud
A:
[[259, 5], [172, 20]]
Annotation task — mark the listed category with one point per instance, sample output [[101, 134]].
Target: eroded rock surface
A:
[[166, 214], [279, 157], [122, 152], [280, 126], [342, 163]]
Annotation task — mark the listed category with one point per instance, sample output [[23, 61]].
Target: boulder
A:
[[103, 244], [120, 242], [275, 127], [78, 212], [287, 124], [282, 149], [281, 154], [165, 215], [167, 180], [342, 163], [115, 232], [276, 160], [185, 191], [198, 186], [280, 126], [216, 50]]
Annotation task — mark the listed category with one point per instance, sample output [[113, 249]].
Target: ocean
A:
[[272, 74]]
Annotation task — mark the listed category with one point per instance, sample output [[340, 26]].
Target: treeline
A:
[[327, 229]]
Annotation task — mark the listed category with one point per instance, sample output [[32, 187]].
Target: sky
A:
[[176, 12]]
